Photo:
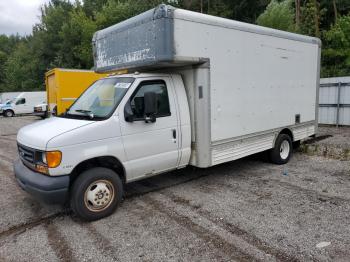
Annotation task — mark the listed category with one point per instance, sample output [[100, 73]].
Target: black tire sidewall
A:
[[83, 181], [8, 111], [275, 155]]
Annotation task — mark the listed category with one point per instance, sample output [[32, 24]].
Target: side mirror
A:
[[128, 114], [150, 100]]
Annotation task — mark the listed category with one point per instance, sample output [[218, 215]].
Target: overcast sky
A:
[[18, 16]]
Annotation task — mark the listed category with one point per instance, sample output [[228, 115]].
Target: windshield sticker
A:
[[122, 85]]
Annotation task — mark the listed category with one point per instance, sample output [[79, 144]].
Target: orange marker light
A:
[[42, 169], [53, 158]]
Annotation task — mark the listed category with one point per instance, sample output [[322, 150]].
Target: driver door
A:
[[151, 147], [22, 107]]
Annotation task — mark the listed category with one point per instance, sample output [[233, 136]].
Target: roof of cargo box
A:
[[148, 39]]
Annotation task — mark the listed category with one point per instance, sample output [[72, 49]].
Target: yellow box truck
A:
[[64, 86]]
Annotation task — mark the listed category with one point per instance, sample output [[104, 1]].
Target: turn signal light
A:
[[53, 158], [42, 169]]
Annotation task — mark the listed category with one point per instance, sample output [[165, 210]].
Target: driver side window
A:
[[21, 101], [137, 100]]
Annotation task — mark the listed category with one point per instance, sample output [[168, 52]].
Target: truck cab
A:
[[135, 125]]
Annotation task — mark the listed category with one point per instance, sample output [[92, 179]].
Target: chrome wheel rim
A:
[[284, 149], [99, 195]]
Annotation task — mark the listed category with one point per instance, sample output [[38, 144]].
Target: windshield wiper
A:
[[86, 112]]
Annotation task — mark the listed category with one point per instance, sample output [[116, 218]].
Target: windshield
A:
[[101, 98]]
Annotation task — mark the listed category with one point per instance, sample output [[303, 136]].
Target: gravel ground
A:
[[331, 142], [246, 210]]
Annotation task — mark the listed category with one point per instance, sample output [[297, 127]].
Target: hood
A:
[[38, 134], [5, 105]]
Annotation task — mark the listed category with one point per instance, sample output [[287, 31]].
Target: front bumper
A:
[[53, 190], [43, 113]]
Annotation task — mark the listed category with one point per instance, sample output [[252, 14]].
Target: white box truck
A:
[[200, 91], [23, 103]]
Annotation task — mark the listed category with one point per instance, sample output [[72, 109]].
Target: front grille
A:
[[26, 154]]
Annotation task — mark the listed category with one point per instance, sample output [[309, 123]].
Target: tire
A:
[[282, 151], [91, 188], [9, 113], [44, 115]]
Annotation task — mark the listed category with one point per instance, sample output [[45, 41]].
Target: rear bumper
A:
[[53, 190]]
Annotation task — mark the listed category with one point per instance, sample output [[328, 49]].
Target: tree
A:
[[311, 18], [76, 34], [21, 69], [7, 45], [335, 10], [297, 13], [278, 15], [336, 54]]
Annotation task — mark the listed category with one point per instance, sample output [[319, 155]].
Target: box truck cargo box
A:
[[64, 86], [201, 91], [243, 82]]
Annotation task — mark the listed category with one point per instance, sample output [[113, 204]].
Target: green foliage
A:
[[63, 36], [21, 69], [114, 12], [336, 54], [75, 48], [311, 19], [278, 15]]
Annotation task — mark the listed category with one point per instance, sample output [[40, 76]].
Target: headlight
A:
[[43, 157], [53, 158], [48, 160]]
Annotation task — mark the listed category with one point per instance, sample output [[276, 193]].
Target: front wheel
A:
[[282, 151], [8, 113], [96, 193]]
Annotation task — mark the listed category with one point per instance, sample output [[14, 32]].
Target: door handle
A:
[[174, 135]]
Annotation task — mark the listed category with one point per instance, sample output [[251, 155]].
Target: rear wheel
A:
[[282, 151], [9, 113], [96, 193]]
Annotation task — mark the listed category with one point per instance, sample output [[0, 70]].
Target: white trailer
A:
[[201, 91]]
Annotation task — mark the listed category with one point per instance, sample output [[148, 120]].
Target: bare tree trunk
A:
[[335, 11], [201, 6], [188, 4], [297, 13], [317, 18]]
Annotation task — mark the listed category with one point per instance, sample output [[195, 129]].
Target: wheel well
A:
[[9, 110], [104, 161], [288, 132]]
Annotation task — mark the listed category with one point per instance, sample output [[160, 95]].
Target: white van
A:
[[24, 103], [211, 91]]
